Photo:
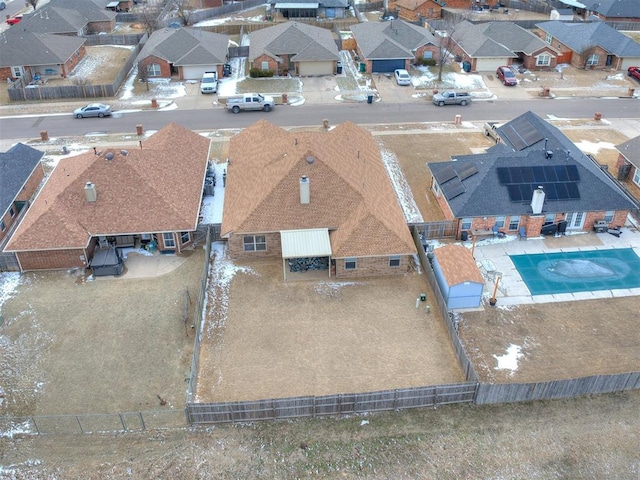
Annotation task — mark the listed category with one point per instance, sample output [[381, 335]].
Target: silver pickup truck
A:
[[250, 101], [451, 98]]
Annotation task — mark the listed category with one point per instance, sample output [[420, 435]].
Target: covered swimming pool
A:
[[583, 271]]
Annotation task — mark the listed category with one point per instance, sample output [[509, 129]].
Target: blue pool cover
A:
[[568, 272]]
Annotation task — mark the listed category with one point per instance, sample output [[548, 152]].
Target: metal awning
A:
[[294, 5], [313, 242], [573, 3], [113, 4]]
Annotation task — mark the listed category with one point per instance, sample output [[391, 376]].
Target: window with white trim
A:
[[185, 237], [254, 243], [153, 70], [265, 66], [12, 212], [514, 223], [3, 227], [168, 240], [465, 224], [608, 216], [593, 59], [436, 189], [548, 37], [543, 60], [500, 222], [350, 263], [549, 218], [394, 261], [636, 176]]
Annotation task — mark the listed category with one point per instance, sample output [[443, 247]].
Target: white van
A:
[[209, 82]]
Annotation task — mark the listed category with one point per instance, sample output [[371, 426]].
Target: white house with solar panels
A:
[[533, 182]]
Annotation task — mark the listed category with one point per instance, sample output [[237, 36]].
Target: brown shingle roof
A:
[[156, 188], [349, 185], [458, 265]]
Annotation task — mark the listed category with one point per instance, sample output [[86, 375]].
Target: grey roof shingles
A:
[[304, 42], [485, 196], [186, 46], [581, 36], [32, 49], [386, 40], [614, 8], [16, 166], [631, 150]]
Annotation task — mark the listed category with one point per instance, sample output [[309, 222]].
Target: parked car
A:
[[402, 76], [451, 98], [490, 130], [3, 5], [250, 101], [14, 20], [93, 110], [634, 72], [209, 82], [506, 76]]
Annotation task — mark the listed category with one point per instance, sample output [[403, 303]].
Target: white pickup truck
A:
[[490, 130], [250, 101]]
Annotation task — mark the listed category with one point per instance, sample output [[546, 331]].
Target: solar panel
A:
[[551, 173], [503, 175], [446, 174], [514, 193], [561, 170], [453, 188], [521, 133], [573, 191], [573, 173], [538, 174], [561, 189], [466, 171], [527, 175]]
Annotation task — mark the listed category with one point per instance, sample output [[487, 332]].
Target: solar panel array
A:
[[559, 182], [450, 179], [521, 133]]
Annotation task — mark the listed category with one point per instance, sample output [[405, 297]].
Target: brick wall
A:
[[372, 267], [257, 62], [420, 52], [529, 61], [235, 247], [25, 194], [97, 27], [165, 67], [71, 63], [52, 260]]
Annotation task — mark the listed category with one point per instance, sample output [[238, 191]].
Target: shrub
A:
[[429, 62], [258, 73]]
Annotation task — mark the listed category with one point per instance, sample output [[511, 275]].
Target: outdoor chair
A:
[[522, 233], [497, 233]]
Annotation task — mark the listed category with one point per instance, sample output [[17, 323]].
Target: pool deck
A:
[[493, 259]]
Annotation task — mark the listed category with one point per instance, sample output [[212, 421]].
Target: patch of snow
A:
[[592, 147], [9, 282], [212, 205], [403, 191], [329, 289], [509, 361]]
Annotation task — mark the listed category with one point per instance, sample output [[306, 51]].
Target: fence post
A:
[[33, 419], [79, 424], [124, 427], [144, 427]]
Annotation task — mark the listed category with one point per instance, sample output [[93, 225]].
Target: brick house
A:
[[416, 10], [385, 46], [71, 17], [294, 48], [489, 45], [610, 10], [26, 55], [501, 188], [321, 198], [629, 160], [116, 197], [593, 45], [183, 52], [20, 175]]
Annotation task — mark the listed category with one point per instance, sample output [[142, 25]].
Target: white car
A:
[[402, 76]]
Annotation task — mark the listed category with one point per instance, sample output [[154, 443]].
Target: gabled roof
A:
[[16, 166], [304, 42], [33, 49], [350, 191], [186, 46], [631, 150], [67, 16], [457, 265], [526, 139], [581, 36], [614, 8], [394, 39], [497, 39], [156, 188], [414, 4]]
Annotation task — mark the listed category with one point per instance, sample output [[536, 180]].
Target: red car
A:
[[14, 20], [506, 76], [634, 72]]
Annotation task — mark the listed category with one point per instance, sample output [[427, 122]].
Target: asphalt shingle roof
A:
[[614, 8], [351, 193], [33, 49], [304, 42], [581, 36], [390, 40], [186, 46], [631, 150], [484, 195], [16, 166]]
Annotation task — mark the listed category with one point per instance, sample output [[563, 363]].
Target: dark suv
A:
[[506, 76]]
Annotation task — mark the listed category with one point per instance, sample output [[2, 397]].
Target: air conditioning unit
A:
[[600, 226]]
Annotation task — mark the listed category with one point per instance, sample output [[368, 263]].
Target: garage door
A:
[[386, 66], [195, 72], [489, 64], [315, 68], [629, 62]]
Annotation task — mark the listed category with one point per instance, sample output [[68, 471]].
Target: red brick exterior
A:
[[372, 267], [428, 9], [26, 193], [420, 52], [579, 59], [529, 61], [274, 66], [97, 27], [30, 71], [165, 67], [52, 259], [235, 247]]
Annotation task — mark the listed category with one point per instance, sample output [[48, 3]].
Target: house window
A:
[[265, 66], [394, 261], [500, 222], [514, 223], [593, 59], [254, 243], [465, 224], [549, 218], [17, 71], [153, 70], [548, 38], [12, 212], [543, 60], [430, 12], [608, 216], [428, 54], [3, 227], [636, 177], [350, 263], [185, 237], [436, 189], [168, 240]]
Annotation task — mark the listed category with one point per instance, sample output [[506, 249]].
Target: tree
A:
[[586, 54], [33, 3], [149, 19], [444, 36], [183, 10]]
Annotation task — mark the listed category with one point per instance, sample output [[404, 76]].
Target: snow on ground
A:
[[330, 289], [594, 147], [212, 205], [9, 282], [233, 17], [93, 62], [403, 191], [509, 361]]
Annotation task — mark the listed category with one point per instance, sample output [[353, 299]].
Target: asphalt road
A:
[[17, 127]]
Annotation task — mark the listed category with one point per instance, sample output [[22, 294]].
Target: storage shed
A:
[[458, 276], [106, 261]]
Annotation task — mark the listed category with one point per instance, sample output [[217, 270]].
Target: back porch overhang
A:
[[313, 242]]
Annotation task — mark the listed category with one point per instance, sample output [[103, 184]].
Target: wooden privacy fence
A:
[[340, 404], [437, 230]]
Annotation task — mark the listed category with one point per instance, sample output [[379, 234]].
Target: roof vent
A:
[[109, 156], [304, 190], [548, 154], [90, 192], [309, 159]]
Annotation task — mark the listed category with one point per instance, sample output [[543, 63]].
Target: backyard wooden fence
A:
[[340, 404]]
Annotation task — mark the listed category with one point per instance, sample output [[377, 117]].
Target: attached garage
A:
[[195, 72], [458, 277], [490, 64], [307, 69], [387, 66], [629, 62]]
